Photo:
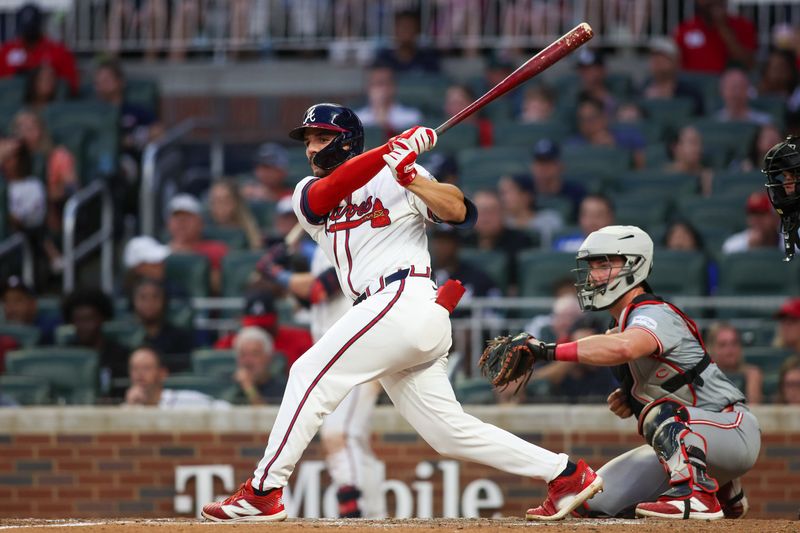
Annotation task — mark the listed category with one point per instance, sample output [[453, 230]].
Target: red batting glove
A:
[[401, 162], [418, 138]]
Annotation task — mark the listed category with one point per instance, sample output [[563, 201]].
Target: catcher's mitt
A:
[[507, 359]]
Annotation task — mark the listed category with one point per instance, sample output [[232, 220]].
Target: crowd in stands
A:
[[678, 154]]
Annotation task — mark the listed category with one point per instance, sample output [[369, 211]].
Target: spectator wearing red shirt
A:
[[713, 39], [259, 311], [185, 227], [31, 49]]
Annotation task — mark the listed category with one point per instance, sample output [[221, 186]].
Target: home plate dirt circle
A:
[[415, 525]]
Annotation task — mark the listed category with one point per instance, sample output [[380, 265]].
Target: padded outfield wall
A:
[[138, 462]]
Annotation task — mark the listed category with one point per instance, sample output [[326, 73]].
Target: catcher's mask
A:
[[782, 168], [349, 141], [630, 243]]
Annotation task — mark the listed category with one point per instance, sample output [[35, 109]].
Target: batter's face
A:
[[316, 139]]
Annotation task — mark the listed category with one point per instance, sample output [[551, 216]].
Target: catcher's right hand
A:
[[508, 359]]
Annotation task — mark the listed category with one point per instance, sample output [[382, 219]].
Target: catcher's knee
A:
[[662, 422]]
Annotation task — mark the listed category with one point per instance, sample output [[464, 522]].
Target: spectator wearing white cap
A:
[[270, 169], [664, 81], [185, 226]]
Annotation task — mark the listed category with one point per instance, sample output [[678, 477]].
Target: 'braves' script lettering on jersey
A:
[[365, 211]]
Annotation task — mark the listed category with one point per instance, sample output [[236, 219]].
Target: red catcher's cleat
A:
[[733, 500], [699, 505], [246, 506], [566, 493]]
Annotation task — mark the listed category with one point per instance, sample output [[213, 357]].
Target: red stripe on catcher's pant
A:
[[327, 367], [732, 425]]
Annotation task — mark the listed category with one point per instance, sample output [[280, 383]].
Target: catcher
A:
[[700, 434], [782, 167]]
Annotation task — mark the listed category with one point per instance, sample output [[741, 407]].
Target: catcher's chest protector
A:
[[672, 373]]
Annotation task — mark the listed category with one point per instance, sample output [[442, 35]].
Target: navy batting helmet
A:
[[334, 117], [782, 167]]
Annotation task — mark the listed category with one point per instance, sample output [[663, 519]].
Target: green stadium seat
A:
[[26, 336], [708, 85], [481, 168], [643, 210], [71, 372], [738, 183], [3, 208], [236, 270], [563, 206], [298, 164], [461, 136], [540, 270], [770, 386], [494, 263], [657, 184], [757, 273], [730, 139], [656, 156], [768, 358], [189, 272], [475, 391], [210, 362], [601, 161], [235, 238], [125, 332], [373, 136], [263, 212], [716, 211], [526, 135], [423, 91], [100, 121], [210, 385], [143, 93], [25, 390], [12, 91], [679, 273], [667, 113], [775, 106]]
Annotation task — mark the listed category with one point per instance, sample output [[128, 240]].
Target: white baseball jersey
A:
[[325, 314], [374, 232]]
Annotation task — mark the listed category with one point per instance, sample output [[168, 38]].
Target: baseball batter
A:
[[367, 211], [700, 434]]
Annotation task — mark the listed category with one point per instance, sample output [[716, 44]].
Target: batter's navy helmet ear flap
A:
[[782, 168], [337, 118]]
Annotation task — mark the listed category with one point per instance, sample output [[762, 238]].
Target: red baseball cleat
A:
[[566, 493], [733, 500], [699, 505], [246, 506]]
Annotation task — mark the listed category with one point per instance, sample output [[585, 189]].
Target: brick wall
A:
[[90, 471]]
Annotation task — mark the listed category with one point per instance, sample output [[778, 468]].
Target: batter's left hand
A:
[[401, 162], [419, 139]]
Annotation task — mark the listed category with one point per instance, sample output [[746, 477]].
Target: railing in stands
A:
[[13, 245], [488, 317], [154, 177], [222, 27], [102, 239]]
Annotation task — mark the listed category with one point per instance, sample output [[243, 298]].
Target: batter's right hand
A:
[[618, 404], [419, 139]]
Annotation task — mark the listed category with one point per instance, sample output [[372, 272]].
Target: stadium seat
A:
[[423, 91], [643, 210], [209, 362], [494, 263], [679, 273], [143, 93], [189, 272], [657, 184], [717, 211], [70, 372], [667, 113], [729, 138], [656, 156], [482, 168], [540, 270], [12, 91], [100, 121], [601, 161], [475, 391], [210, 385], [25, 335], [128, 333], [526, 135], [234, 238], [3, 208], [708, 85], [263, 212], [25, 390], [775, 106], [768, 358], [459, 137], [236, 270], [757, 273], [559, 204], [298, 164]]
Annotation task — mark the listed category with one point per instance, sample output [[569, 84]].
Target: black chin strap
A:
[[791, 239]]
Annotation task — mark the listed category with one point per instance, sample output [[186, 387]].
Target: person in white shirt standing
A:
[[368, 211]]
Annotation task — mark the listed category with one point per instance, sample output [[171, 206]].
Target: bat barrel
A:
[[554, 52]]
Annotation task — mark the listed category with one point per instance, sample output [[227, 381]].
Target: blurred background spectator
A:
[[270, 170], [596, 211], [538, 104], [724, 344], [664, 80], [547, 173], [734, 89], [255, 377], [686, 157], [789, 325], [228, 210], [519, 202], [406, 55], [789, 381], [382, 109], [41, 87], [762, 227]]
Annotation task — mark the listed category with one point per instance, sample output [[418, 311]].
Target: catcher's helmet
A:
[[334, 117], [784, 191], [633, 244]]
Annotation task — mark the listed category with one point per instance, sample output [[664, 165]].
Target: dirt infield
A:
[[417, 526]]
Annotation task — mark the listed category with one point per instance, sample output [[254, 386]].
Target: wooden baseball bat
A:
[[554, 52]]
